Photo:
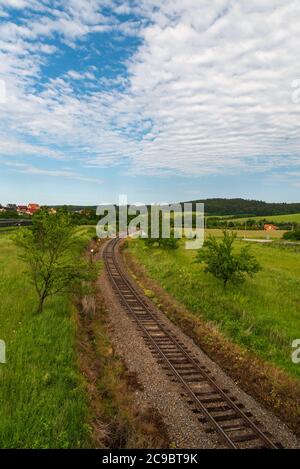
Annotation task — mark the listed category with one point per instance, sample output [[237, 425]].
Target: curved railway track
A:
[[219, 411]]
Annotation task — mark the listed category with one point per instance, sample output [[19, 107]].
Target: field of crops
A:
[[262, 315]]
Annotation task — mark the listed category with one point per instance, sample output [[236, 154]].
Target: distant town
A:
[[30, 209]]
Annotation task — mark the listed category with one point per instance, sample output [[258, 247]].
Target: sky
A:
[[164, 101]]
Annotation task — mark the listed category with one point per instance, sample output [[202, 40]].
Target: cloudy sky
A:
[[163, 100]]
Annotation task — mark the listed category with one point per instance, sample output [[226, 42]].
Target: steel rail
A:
[[240, 414]]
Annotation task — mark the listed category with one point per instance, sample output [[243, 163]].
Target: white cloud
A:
[[18, 4], [80, 76], [33, 170], [209, 89]]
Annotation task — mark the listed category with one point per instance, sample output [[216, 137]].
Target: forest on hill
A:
[[244, 207], [234, 207]]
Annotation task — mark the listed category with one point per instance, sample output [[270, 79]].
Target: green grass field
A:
[[256, 234], [8, 229], [43, 403], [293, 218], [262, 315]]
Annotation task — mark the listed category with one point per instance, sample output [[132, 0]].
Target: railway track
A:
[[219, 411]]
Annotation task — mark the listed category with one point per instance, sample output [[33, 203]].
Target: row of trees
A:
[[248, 223]]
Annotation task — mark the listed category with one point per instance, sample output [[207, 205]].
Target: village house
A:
[[270, 227], [32, 208], [29, 209], [21, 209]]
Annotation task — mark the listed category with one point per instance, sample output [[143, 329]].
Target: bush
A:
[[223, 263], [292, 235], [164, 243]]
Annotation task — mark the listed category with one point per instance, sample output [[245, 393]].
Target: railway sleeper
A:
[[194, 380], [208, 400], [239, 426], [181, 360], [248, 436], [234, 415], [165, 350]]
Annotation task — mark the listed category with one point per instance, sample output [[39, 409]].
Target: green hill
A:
[[246, 208]]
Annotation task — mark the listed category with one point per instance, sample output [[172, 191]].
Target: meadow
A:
[[255, 234], [292, 218], [262, 315], [8, 229], [43, 402]]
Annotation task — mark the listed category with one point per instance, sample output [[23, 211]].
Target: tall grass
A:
[[262, 315], [43, 403]]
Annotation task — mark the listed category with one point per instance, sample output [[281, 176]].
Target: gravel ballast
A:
[[167, 397]]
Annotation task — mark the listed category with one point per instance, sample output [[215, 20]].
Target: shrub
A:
[[292, 235], [223, 263]]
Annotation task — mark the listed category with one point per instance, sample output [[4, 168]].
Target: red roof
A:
[[269, 226], [32, 208]]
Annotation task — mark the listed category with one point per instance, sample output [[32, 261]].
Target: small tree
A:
[[48, 250], [223, 263], [164, 243]]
